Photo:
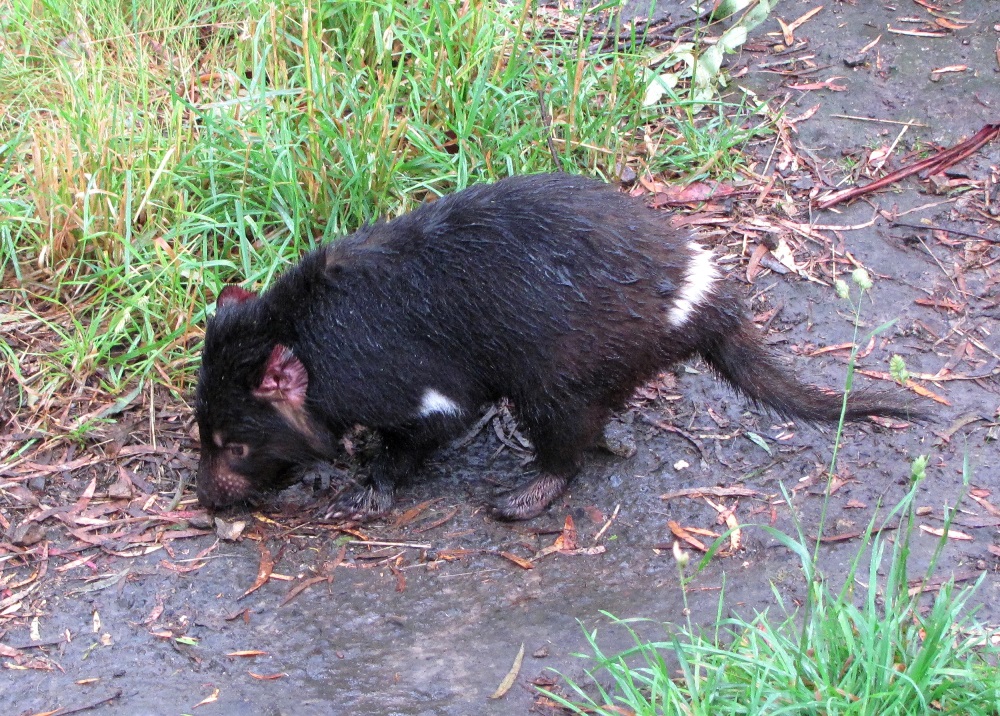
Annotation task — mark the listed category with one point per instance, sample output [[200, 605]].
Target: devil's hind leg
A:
[[560, 437]]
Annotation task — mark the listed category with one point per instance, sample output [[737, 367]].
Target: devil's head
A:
[[251, 405]]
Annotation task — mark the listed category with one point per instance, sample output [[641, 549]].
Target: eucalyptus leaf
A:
[[757, 15], [711, 61], [659, 86], [733, 38], [759, 442], [730, 7]]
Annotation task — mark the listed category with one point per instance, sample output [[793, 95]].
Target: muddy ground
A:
[[434, 629]]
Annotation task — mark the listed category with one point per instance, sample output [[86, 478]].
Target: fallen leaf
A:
[[9, 651], [830, 349], [267, 677], [786, 32], [915, 387], [684, 535], [702, 531], [844, 536], [796, 24], [829, 84], [950, 68], [263, 571], [229, 531], [694, 193], [88, 493], [951, 534], [932, 585], [951, 24], [568, 536], [412, 513], [945, 303], [783, 253], [595, 515], [302, 586], [986, 505], [566, 541], [211, 699], [759, 441], [792, 121], [121, 489], [522, 563], [936, 74], [735, 533], [753, 266], [917, 33], [438, 522], [400, 578], [870, 45], [511, 676], [877, 157]]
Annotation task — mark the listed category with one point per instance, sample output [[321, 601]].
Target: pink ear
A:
[[233, 294], [285, 379]]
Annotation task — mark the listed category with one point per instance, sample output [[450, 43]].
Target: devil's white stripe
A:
[[435, 402], [701, 273]]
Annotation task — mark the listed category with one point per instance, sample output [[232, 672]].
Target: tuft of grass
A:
[[877, 651]]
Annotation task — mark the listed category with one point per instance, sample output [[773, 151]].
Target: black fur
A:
[[551, 290]]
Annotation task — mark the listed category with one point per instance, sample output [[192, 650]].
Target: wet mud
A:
[[432, 627]]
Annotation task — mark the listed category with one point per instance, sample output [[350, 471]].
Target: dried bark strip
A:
[[925, 167]]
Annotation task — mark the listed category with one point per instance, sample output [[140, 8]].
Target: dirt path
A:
[[434, 628]]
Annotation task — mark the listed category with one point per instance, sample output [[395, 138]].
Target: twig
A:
[[93, 703], [673, 429], [600, 533], [648, 32], [925, 167], [938, 262], [547, 119], [949, 231], [910, 123], [373, 543]]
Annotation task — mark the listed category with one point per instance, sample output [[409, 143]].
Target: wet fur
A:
[[553, 291]]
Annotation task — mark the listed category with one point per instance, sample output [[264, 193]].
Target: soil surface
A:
[[431, 623]]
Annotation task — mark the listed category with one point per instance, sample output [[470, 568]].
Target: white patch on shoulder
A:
[[701, 273], [435, 402]]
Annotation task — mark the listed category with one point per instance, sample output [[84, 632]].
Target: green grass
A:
[[873, 647], [153, 150]]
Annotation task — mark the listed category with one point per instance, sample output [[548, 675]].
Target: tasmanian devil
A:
[[554, 291]]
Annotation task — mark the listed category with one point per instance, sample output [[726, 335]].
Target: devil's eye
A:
[[238, 449]]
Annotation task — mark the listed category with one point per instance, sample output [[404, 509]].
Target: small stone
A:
[[27, 534], [856, 60], [201, 521], [618, 439], [120, 490], [626, 174]]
